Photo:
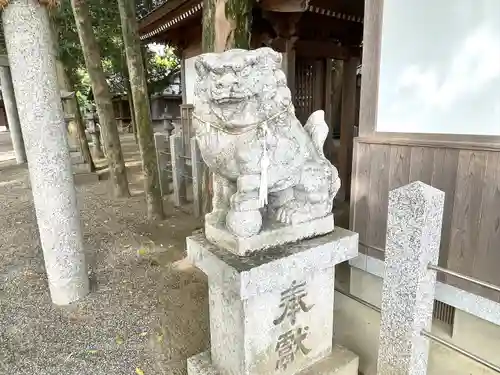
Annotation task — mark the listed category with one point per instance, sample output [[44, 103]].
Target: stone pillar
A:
[[9, 100], [32, 58], [413, 237]]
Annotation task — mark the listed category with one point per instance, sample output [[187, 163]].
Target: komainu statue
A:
[[272, 182]]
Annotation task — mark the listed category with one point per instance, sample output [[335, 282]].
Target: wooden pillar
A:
[[288, 65], [347, 122], [319, 84], [329, 94]]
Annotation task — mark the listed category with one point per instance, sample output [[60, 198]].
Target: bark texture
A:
[[102, 97], [226, 25], [141, 108]]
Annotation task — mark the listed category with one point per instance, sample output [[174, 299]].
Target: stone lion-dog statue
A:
[[269, 169]]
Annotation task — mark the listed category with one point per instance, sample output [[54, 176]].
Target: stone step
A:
[[80, 168], [77, 158], [85, 178]]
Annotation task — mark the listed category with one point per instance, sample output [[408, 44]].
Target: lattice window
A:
[[304, 89]]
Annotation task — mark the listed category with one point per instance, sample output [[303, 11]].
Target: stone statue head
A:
[[241, 87]]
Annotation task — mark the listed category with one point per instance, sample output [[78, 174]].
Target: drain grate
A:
[[444, 313]]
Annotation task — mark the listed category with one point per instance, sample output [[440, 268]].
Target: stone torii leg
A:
[[32, 62], [12, 115]]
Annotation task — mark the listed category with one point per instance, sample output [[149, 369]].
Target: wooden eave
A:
[[170, 15], [177, 22]]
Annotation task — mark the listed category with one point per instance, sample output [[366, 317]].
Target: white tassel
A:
[[264, 165]]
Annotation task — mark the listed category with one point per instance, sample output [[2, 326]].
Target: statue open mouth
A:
[[228, 96], [230, 100]]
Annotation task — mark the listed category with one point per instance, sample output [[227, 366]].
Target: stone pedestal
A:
[[272, 312]]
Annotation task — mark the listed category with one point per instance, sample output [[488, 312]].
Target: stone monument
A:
[[270, 246], [272, 183]]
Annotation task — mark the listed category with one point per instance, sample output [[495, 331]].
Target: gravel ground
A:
[[148, 309]]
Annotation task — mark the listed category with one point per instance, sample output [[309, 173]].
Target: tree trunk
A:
[[141, 108], [226, 25], [82, 137], [102, 97], [132, 112], [129, 98]]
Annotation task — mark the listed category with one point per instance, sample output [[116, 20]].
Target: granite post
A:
[[178, 169], [272, 312], [163, 160], [413, 237], [32, 61], [9, 100], [197, 172]]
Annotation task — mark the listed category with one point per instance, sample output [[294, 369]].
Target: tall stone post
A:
[[32, 58], [413, 236], [9, 100]]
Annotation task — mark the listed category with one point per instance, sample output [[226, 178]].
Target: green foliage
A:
[[160, 67], [106, 24]]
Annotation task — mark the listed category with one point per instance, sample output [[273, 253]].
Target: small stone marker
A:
[[413, 237]]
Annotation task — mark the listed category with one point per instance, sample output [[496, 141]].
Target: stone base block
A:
[[272, 235], [340, 362]]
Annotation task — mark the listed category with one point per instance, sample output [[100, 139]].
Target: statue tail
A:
[[317, 129]]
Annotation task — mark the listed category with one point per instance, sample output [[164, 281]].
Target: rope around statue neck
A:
[[262, 131], [261, 125]]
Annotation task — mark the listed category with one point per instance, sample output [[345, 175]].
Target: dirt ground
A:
[[148, 309]]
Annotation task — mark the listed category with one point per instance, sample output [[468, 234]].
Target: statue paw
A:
[[244, 223], [245, 201], [297, 211], [293, 212]]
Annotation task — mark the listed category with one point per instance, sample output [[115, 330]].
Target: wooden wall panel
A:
[[444, 177], [360, 214], [487, 262], [378, 198], [466, 220], [470, 242]]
